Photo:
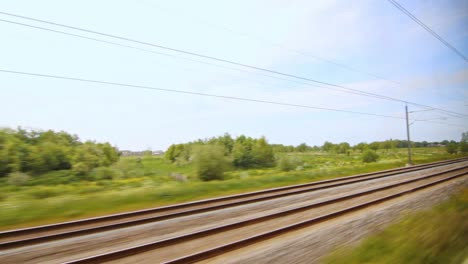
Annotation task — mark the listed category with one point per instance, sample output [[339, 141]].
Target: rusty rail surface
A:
[[291, 191], [115, 255]]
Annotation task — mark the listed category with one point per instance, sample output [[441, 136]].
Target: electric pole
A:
[[410, 161]]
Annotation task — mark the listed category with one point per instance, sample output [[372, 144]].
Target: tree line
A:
[[212, 156], [36, 152], [344, 147], [243, 151]]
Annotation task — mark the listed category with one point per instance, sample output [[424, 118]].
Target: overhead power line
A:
[[196, 55], [299, 52], [428, 29], [192, 93], [207, 95], [180, 57], [235, 63]]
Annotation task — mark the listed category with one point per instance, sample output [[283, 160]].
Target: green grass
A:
[[150, 181], [435, 236]]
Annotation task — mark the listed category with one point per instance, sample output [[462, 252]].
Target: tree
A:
[[302, 147], [369, 156], [177, 151], [227, 142], [170, 153], [464, 143], [242, 156], [361, 146], [389, 144], [463, 147], [452, 147], [343, 148], [210, 163], [262, 153], [465, 137], [374, 146], [9, 161], [48, 156], [327, 146], [249, 153], [38, 152]]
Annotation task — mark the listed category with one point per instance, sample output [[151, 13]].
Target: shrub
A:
[[43, 192], [452, 148], [464, 147], [178, 177], [18, 178], [210, 163], [286, 163], [105, 173], [369, 156], [81, 168]]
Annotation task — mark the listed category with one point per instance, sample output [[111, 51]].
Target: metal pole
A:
[[410, 161]]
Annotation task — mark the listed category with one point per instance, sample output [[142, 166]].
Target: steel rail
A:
[[91, 230], [231, 246], [22, 242], [267, 235]]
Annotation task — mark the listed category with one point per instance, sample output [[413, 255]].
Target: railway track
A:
[[27, 236], [357, 201], [253, 228]]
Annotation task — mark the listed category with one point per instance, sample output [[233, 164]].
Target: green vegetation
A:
[[452, 148], [84, 179], [439, 235], [210, 163], [370, 156], [245, 152], [141, 182], [38, 152], [18, 178], [288, 163]]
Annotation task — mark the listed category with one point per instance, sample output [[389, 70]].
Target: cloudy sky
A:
[[296, 37]]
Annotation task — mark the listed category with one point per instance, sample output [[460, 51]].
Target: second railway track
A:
[[202, 243], [27, 236]]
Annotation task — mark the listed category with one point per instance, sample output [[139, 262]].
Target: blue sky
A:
[[372, 36]]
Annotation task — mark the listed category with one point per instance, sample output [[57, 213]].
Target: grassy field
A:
[[439, 235], [153, 181]]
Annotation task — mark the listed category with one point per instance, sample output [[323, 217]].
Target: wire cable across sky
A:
[[177, 57], [345, 89], [210, 95], [428, 29]]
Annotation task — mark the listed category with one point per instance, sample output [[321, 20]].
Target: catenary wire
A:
[[230, 62], [205, 94], [180, 57], [270, 43], [428, 29], [190, 92], [337, 88]]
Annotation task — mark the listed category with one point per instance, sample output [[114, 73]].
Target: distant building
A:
[[435, 145], [125, 153], [158, 153], [128, 153]]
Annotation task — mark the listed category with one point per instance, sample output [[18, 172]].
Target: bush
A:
[[452, 148], [464, 147], [369, 156], [210, 163], [105, 173], [81, 168], [18, 178], [43, 192], [286, 163]]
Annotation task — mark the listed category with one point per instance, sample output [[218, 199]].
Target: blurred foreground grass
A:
[[138, 183], [439, 235]]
